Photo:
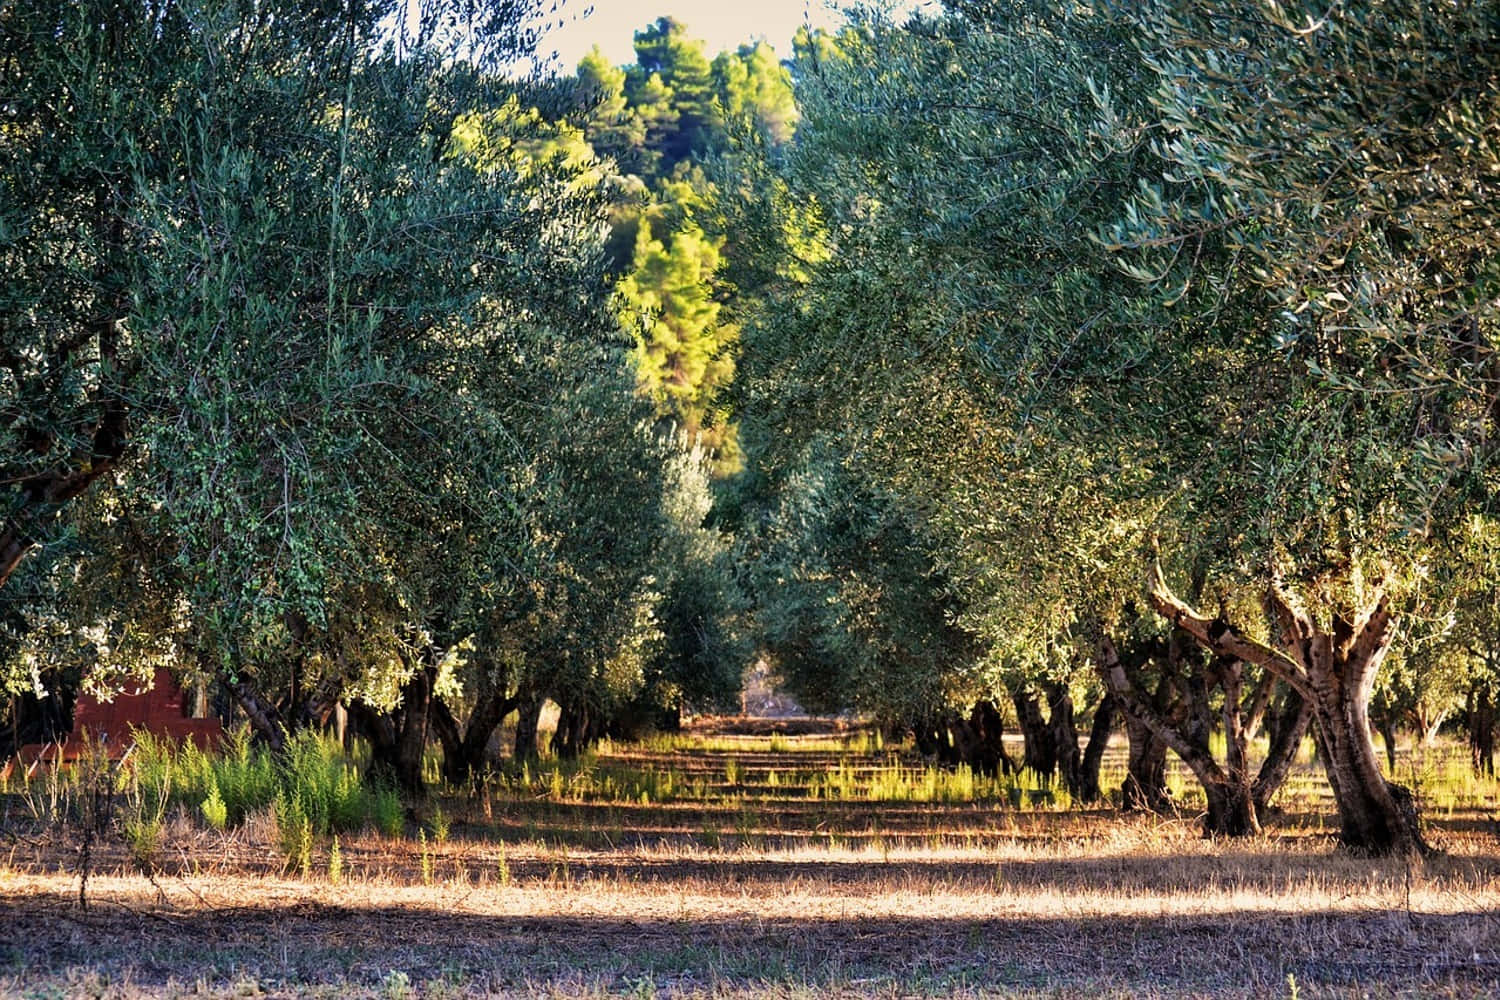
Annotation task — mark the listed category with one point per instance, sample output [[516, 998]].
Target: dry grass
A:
[[744, 888]]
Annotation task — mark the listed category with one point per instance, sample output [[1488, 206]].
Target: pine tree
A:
[[664, 49]]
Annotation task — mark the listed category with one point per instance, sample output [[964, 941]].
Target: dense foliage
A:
[[1015, 360]]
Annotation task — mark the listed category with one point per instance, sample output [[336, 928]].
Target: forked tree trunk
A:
[[1429, 724], [464, 748], [1334, 670], [1236, 799]]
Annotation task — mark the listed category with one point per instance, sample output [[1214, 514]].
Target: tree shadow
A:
[[296, 943]]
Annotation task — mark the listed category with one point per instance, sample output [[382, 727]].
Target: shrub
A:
[[390, 815], [294, 832], [215, 812]]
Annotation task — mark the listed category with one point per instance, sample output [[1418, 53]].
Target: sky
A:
[[722, 24]]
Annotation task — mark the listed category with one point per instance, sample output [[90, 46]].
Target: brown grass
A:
[[749, 891]]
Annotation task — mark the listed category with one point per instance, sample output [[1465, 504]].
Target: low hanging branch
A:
[[1222, 638]]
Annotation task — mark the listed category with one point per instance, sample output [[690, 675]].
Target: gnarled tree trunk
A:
[[1040, 756], [1145, 787], [1231, 807], [987, 729], [1479, 720], [265, 718], [1063, 732], [1334, 671], [577, 728], [1236, 799], [464, 747]]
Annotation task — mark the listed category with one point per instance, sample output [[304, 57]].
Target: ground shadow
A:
[[305, 943]]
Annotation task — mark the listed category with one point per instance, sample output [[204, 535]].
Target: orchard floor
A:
[[741, 884]]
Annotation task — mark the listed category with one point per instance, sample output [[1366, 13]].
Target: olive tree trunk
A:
[[528, 719], [464, 747], [1040, 754], [1334, 671], [1088, 790], [1479, 721], [398, 738], [1145, 787]]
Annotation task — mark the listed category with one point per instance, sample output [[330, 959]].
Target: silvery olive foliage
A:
[[288, 347]]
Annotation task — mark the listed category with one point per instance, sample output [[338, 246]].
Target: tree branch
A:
[[1222, 638], [1119, 684]]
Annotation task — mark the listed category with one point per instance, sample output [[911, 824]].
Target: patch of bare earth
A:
[[749, 890], [1154, 913]]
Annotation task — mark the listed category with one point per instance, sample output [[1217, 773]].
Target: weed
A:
[[390, 815], [294, 833], [215, 812], [143, 838], [335, 862], [396, 986], [440, 825]]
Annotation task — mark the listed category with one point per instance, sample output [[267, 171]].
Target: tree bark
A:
[[1335, 671], [529, 715], [1093, 755], [1479, 720], [575, 731]]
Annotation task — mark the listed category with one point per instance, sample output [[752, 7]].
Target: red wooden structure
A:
[[160, 708]]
